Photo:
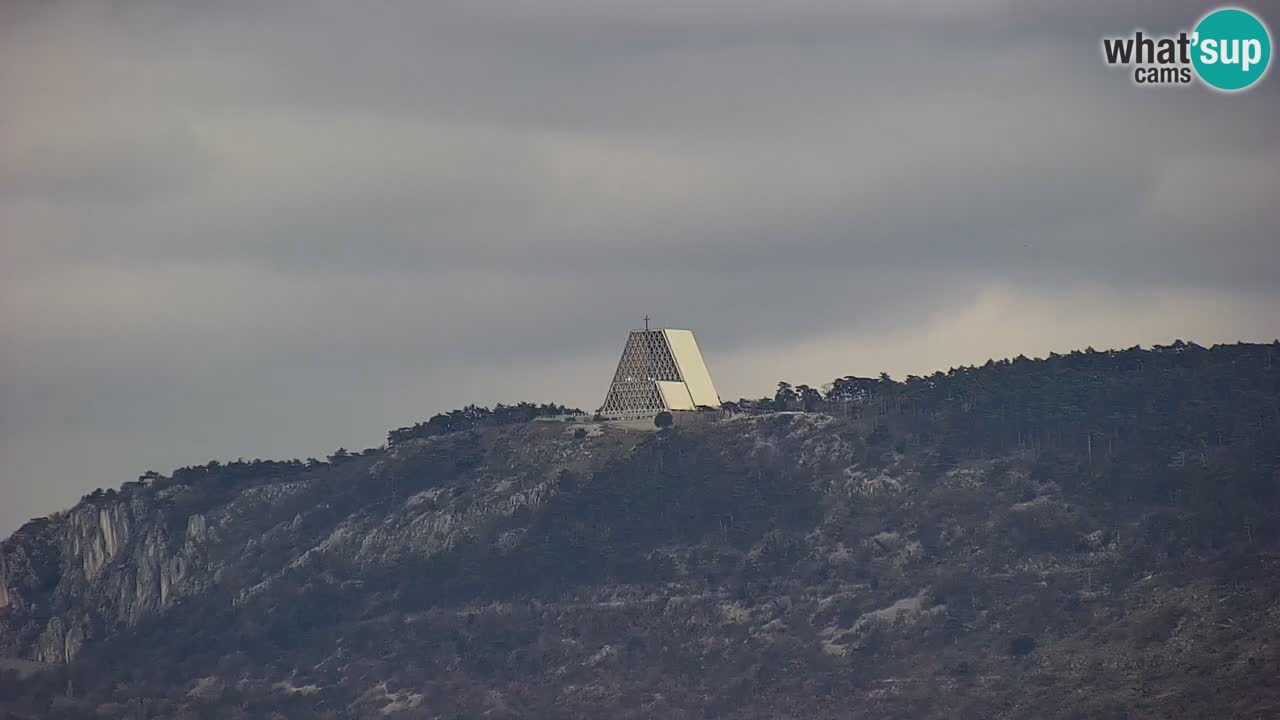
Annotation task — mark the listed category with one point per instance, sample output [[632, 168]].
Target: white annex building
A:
[[660, 369]]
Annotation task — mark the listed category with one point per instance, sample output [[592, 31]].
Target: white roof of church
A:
[[675, 395], [692, 368]]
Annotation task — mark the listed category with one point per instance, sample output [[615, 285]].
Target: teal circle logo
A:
[[1232, 49]]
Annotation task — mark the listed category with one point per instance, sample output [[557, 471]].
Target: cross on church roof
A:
[[646, 323]]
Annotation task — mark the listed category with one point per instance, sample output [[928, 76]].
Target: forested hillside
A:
[[1089, 535]]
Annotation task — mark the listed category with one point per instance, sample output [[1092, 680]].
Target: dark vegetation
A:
[[1090, 535], [215, 483], [472, 417]]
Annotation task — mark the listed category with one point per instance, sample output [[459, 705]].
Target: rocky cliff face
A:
[[110, 565], [119, 558]]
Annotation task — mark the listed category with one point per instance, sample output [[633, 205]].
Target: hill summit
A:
[[1088, 535]]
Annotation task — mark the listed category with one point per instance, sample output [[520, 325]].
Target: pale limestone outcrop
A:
[[114, 560], [97, 536], [61, 640], [4, 584]]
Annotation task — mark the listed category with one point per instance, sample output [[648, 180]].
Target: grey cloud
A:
[[242, 229]]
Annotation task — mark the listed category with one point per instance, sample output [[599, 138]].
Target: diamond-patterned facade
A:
[[646, 360]]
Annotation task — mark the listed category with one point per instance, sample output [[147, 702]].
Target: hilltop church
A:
[[660, 370]]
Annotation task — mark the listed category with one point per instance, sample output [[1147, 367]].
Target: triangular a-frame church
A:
[[660, 370]]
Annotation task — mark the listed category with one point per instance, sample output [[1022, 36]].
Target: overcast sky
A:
[[244, 229]]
